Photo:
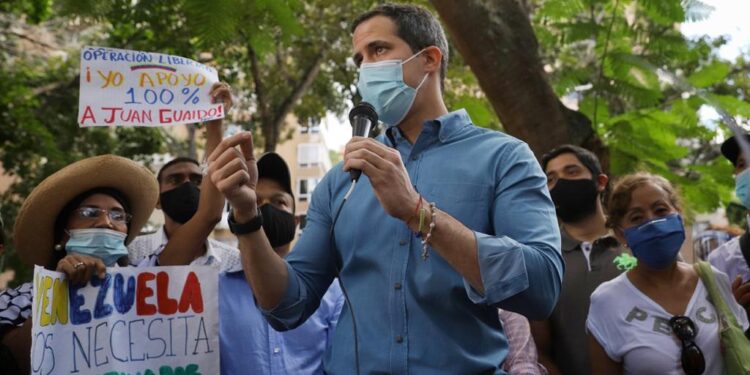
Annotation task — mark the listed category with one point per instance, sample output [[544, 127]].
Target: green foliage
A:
[[648, 120], [710, 75]]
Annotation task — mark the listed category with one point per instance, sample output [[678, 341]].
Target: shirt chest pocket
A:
[[468, 203]]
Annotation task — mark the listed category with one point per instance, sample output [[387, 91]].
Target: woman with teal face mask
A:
[[656, 318], [77, 221]]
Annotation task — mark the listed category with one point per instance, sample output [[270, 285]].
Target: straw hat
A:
[[34, 229]]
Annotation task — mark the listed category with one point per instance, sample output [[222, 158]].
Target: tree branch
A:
[[307, 79], [32, 40]]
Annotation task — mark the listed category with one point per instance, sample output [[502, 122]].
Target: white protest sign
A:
[[155, 320], [133, 88]]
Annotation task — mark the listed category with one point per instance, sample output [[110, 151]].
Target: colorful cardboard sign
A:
[[153, 320]]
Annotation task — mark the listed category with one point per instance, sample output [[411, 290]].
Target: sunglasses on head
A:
[[693, 362]]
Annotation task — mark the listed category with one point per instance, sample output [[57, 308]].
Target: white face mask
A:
[[382, 85]]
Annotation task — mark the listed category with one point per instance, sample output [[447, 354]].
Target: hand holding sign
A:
[[80, 268]]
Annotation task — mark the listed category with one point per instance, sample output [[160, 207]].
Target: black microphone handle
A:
[[355, 174], [361, 128]]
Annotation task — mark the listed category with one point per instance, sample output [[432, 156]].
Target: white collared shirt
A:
[[144, 251]]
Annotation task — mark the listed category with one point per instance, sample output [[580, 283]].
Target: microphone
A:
[[362, 117]]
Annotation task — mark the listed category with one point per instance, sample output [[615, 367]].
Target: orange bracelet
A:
[[416, 210]]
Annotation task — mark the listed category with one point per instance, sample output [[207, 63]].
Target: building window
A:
[[305, 187], [312, 126], [310, 154]]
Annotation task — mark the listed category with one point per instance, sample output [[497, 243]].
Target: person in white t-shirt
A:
[[656, 318]]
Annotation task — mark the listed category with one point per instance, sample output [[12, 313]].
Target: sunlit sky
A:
[[729, 18]]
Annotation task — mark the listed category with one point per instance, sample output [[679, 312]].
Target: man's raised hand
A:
[[233, 170]]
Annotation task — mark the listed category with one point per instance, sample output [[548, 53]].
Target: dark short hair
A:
[[586, 157], [181, 159], [416, 26]]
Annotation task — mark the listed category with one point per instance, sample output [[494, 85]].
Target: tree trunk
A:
[[496, 39], [286, 106]]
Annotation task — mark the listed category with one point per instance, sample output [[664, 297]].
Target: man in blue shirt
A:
[[248, 344], [477, 198]]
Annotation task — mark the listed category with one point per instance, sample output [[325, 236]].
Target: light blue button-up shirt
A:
[[421, 316], [250, 346]]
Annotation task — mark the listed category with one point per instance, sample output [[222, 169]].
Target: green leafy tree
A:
[[639, 83]]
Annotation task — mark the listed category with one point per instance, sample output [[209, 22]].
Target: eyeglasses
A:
[[693, 362], [93, 213]]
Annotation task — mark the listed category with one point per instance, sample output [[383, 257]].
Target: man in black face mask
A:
[[249, 345], [576, 184], [179, 198]]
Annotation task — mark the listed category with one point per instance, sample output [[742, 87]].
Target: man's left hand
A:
[[387, 174]]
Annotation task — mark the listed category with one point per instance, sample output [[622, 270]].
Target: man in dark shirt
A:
[[577, 185]]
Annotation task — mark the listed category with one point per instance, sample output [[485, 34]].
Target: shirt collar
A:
[[211, 255], [569, 243], [444, 127]]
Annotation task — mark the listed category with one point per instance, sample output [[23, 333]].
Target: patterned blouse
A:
[[15, 305]]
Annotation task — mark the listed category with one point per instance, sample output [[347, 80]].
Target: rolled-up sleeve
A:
[[520, 264], [310, 264]]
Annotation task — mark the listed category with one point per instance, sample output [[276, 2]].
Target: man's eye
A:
[[380, 50]]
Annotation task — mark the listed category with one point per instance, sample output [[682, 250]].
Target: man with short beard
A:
[[576, 184]]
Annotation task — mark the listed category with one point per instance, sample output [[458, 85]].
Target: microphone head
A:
[[363, 109]]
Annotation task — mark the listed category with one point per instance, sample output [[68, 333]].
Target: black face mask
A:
[[181, 203], [574, 199], [278, 224]]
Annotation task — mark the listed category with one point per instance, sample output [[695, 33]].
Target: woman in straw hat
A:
[[77, 221]]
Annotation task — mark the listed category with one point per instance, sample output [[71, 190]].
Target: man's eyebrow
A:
[[357, 57], [282, 194]]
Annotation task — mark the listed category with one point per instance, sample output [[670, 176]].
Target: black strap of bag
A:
[[745, 246]]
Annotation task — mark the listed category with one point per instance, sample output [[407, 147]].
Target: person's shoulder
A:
[[228, 255], [219, 245], [725, 250], [148, 240], [145, 245], [610, 291], [494, 137]]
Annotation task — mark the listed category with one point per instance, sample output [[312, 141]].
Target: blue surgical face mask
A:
[[105, 244], [742, 187], [382, 85], [657, 242]]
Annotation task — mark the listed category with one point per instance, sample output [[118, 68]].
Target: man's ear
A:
[[601, 182], [432, 58]]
